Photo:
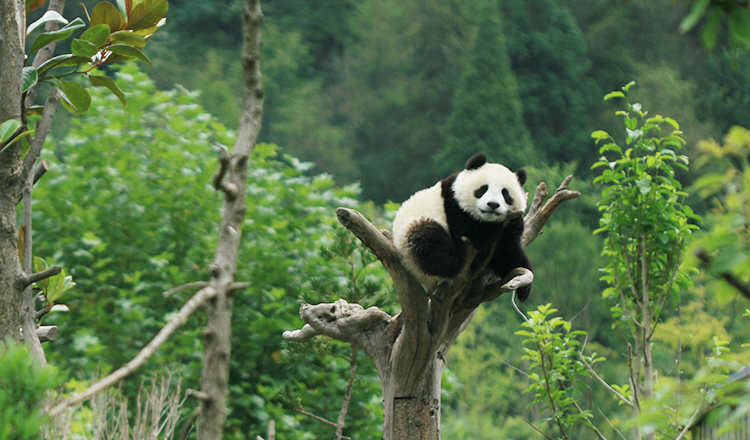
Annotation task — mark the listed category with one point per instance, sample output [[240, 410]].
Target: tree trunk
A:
[[409, 349], [12, 32], [232, 181]]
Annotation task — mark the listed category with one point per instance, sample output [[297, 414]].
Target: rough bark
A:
[[232, 181], [17, 175], [12, 39], [409, 349]]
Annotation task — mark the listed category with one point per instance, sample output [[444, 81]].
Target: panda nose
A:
[[493, 205]]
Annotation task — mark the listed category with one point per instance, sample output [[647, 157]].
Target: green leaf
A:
[[710, 31], [30, 78], [128, 37], [49, 16], [40, 264], [699, 7], [62, 60], [97, 35], [600, 134], [83, 48], [60, 34], [739, 24], [147, 14], [125, 6], [612, 95], [107, 13], [58, 285], [105, 81], [76, 97], [8, 128], [129, 51]]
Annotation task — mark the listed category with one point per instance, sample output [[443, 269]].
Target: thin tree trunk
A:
[[232, 181]]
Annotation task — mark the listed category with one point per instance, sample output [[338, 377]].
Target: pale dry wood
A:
[[232, 181]]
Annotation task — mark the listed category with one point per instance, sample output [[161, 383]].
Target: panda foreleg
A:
[[431, 247], [509, 254]]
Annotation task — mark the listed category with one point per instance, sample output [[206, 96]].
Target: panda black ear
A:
[[476, 161], [521, 176]]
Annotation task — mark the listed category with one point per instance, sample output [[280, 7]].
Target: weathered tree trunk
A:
[[12, 32], [409, 349], [232, 181]]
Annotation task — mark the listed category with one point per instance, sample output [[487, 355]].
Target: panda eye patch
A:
[[480, 191], [507, 197]]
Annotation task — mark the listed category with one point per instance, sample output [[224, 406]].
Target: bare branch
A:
[[604, 382], [302, 335], [340, 424], [735, 282], [47, 333], [39, 170], [42, 130], [197, 394], [368, 234], [28, 280], [538, 214], [188, 286], [145, 354], [318, 418]]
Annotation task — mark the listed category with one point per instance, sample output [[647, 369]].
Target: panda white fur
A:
[[484, 202]]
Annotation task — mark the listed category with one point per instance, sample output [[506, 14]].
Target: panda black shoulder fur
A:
[[484, 202]]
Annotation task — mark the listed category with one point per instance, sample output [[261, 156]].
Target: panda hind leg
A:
[[434, 251]]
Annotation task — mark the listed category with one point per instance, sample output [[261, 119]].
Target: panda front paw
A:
[[523, 292]]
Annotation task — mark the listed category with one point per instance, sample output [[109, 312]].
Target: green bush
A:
[[23, 389]]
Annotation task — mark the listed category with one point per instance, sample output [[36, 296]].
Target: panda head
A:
[[490, 192]]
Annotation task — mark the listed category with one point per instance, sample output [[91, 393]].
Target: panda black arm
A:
[[510, 254]]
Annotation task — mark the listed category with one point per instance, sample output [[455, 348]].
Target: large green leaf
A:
[[7, 129], [30, 78], [60, 34], [97, 35], [47, 17], [128, 51], [58, 285], [83, 48], [739, 24], [147, 14], [105, 81], [107, 13], [76, 99], [128, 37], [62, 60], [699, 7]]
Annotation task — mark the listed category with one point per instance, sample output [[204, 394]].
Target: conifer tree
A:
[[548, 55], [487, 114]]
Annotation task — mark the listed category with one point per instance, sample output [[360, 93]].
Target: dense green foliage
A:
[[128, 210], [24, 385], [548, 56], [476, 122]]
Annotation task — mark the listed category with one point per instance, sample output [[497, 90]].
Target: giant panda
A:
[[485, 203]]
